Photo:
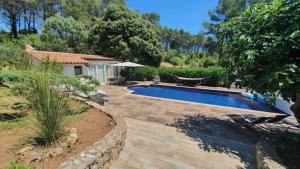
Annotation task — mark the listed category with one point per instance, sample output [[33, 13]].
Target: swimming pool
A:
[[220, 98]]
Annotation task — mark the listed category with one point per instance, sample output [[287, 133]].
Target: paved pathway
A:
[[151, 145], [170, 134]]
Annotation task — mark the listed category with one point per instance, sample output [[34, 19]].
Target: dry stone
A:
[[103, 152]]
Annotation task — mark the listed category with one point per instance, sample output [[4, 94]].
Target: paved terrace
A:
[[175, 134]]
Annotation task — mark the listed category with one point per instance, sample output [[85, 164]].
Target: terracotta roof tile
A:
[[66, 58]]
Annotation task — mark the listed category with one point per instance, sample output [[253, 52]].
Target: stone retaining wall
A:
[[266, 157], [102, 153]]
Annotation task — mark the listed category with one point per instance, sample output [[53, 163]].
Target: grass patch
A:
[[14, 124], [12, 104], [8, 101], [15, 165], [77, 107]]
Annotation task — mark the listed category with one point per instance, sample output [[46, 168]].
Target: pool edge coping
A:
[[131, 92]]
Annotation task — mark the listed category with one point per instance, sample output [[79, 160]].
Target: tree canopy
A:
[[262, 48], [24, 16], [153, 17], [83, 10], [124, 34], [64, 34]]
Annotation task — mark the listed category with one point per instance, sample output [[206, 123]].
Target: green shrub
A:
[[91, 80], [139, 74], [73, 83], [50, 66], [9, 54], [87, 87], [50, 107], [216, 75], [20, 79], [208, 61], [12, 76], [19, 89], [4, 64]]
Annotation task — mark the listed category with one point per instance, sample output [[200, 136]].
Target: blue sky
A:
[[181, 14]]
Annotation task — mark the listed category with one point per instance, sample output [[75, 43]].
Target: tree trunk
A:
[[19, 21], [33, 21], [13, 25], [25, 18], [221, 48], [296, 107]]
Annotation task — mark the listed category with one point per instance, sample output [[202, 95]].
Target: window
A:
[[92, 71], [78, 70]]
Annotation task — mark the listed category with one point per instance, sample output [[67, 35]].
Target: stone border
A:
[[103, 152], [266, 157]]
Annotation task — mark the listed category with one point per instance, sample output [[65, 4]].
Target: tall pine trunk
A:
[[13, 25]]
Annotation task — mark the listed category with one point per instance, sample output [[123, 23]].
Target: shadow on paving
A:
[[215, 135]]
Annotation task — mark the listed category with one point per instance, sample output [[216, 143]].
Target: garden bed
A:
[[91, 125]]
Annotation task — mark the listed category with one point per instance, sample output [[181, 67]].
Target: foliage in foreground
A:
[[263, 46], [50, 107], [216, 75], [262, 49], [124, 34]]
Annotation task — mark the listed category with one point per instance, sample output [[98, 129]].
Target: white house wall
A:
[[97, 63], [69, 69]]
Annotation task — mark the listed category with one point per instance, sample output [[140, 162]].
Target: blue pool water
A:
[[203, 96]]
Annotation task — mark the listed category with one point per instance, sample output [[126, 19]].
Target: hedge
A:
[[216, 75], [139, 73]]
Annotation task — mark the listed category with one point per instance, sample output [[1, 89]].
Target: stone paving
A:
[[166, 134]]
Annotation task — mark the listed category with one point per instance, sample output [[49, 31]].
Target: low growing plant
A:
[[15, 165], [12, 76]]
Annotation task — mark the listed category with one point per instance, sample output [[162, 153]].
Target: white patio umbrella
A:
[[127, 64]]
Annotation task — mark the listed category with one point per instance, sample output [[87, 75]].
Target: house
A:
[[96, 66]]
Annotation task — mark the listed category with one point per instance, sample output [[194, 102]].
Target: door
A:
[[92, 71], [108, 71], [111, 71], [100, 73]]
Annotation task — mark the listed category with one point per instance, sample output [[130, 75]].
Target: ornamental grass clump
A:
[[50, 107]]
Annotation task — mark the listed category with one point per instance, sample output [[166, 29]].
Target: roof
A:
[[166, 64], [66, 58]]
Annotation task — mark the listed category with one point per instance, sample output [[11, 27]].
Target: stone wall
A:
[[102, 153]]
